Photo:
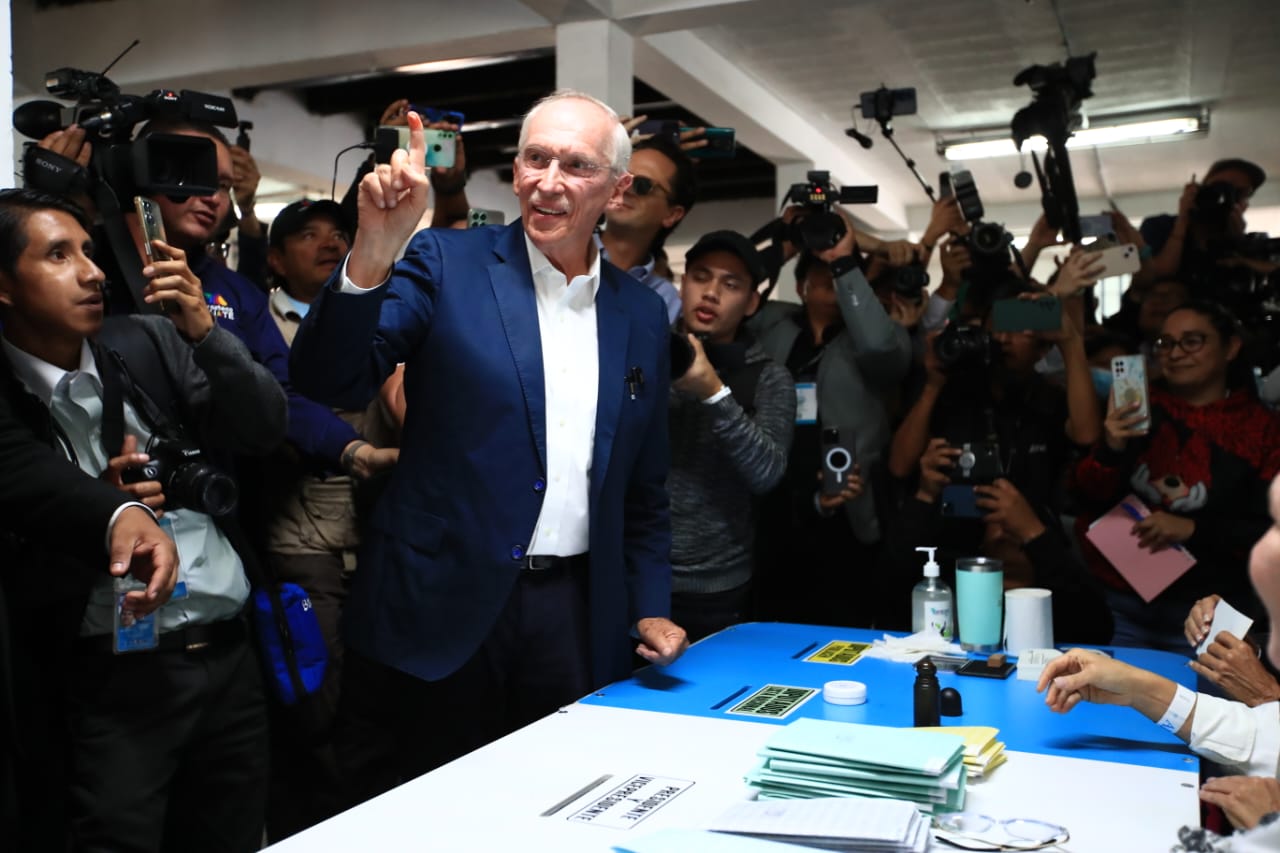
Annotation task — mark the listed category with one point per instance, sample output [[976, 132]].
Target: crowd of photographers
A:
[[814, 445]]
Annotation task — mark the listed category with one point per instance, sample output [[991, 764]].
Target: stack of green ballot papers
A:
[[843, 823], [982, 752], [823, 758]]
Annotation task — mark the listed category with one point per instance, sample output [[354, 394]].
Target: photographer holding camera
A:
[[844, 353], [165, 711], [1207, 236], [731, 421]]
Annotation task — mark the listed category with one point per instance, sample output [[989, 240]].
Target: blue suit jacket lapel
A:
[[512, 282], [612, 330]]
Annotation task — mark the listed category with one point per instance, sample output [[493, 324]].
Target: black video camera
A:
[[163, 164], [818, 227], [185, 478], [1054, 113]]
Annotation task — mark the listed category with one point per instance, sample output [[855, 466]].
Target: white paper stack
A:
[[824, 758], [843, 823]]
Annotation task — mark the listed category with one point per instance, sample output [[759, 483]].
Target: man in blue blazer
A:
[[525, 533]]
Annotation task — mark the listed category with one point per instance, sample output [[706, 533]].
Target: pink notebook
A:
[[1149, 574]]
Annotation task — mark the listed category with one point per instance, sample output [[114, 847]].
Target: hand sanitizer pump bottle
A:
[[931, 603]]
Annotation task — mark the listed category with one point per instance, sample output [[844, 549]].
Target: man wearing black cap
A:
[[731, 421], [312, 534], [1204, 236]]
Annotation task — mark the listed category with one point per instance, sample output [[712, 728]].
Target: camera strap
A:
[[120, 343]]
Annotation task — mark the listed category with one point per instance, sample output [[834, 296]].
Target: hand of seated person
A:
[[1233, 665], [1200, 619], [852, 490], [1162, 530], [1084, 676], [1119, 425], [938, 458], [1008, 507], [1244, 799], [148, 491], [178, 290]]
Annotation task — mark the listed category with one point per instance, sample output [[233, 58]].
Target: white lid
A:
[[844, 692]]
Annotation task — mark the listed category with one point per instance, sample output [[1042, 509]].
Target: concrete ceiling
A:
[[784, 72]]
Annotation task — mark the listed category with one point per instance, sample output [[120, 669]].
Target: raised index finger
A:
[[417, 144]]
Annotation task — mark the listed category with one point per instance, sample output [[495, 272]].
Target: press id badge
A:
[[132, 632], [806, 402]]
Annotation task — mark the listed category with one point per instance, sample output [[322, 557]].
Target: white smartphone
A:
[[1121, 260], [1129, 386]]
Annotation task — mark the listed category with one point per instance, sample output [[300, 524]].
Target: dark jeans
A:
[[169, 751], [1154, 625], [393, 727], [704, 613]]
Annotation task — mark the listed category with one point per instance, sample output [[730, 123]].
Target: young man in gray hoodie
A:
[[732, 414]]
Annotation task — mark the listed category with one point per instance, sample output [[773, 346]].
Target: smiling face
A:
[[717, 293], [653, 211], [190, 224], [1190, 372], [53, 298], [307, 258], [563, 178]]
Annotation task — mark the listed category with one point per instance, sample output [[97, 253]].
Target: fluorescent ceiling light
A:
[[1113, 132]]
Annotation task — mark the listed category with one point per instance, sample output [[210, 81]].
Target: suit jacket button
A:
[[517, 552], [539, 485]]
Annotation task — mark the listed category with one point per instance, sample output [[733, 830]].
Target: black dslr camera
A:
[[818, 227], [1214, 203], [186, 479], [990, 244], [965, 349]]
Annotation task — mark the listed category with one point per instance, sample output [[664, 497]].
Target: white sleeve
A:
[[349, 286], [935, 313], [1232, 733]]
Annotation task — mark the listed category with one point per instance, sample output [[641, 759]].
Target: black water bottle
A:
[[926, 694]]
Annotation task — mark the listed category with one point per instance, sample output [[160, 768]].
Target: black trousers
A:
[[169, 751], [393, 727]]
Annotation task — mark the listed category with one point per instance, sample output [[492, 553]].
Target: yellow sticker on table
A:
[[839, 651]]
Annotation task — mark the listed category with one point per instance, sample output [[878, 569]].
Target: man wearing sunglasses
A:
[[524, 536], [661, 194]]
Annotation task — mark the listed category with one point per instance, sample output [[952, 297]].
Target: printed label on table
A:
[[774, 701], [838, 651], [631, 802]]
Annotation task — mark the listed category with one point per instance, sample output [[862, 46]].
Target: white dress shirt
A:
[[571, 377], [209, 566]]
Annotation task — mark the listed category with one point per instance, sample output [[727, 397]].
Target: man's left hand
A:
[[1008, 507], [661, 640], [700, 379], [1233, 665], [176, 287]]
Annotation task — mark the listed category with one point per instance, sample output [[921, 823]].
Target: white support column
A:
[[596, 57]]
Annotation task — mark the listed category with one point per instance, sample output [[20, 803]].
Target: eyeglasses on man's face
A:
[[642, 186], [537, 159], [1189, 343]]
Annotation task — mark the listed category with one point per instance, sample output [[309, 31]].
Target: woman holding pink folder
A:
[[1202, 468]]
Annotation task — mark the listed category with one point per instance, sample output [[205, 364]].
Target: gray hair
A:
[[619, 154]]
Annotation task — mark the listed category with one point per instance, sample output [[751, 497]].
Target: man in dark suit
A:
[[525, 532]]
